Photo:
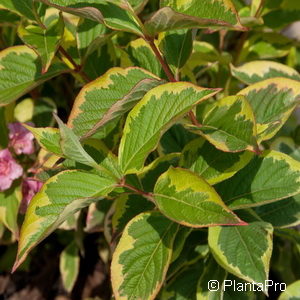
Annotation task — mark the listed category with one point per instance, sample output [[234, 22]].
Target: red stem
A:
[[77, 68]]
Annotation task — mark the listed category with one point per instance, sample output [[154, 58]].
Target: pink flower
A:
[[30, 187], [9, 170], [21, 139]]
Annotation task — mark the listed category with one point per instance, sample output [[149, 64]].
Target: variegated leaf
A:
[[115, 85], [152, 116], [230, 125], [244, 251], [268, 178], [272, 101], [256, 71], [60, 197], [210, 163], [103, 11], [186, 198], [177, 14], [141, 259], [44, 42], [21, 71]]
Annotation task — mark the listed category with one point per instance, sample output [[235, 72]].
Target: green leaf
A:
[[71, 147], [267, 178], [69, 266], [176, 14], [230, 125], [272, 101], [21, 71], [112, 87], [3, 129], [152, 116], [244, 251], [140, 54], [206, 290], [117, 17], [127, 206], [292, 292], [285, 213], [21, 7], [213, 165], [141, 259], [149, 175], [179, 242], [259, 70], [286, 145], [44, 42], [184, 285], [60, 197], [48, 138], [9, 207], [186, 198], [176, 46], [175, 139], [90, 35]]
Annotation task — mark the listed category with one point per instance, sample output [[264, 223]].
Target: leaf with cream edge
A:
[[139, 53], [259, 70], [21, 71], [267, 178], [47, 137], [244, 251], [142, 257], [210, 163], [69, 265], [117, 17], [44, 42], [272, 101], [60, 197], [186, 198], [177, 14], [112, 87], [229, 125], [152, 116]]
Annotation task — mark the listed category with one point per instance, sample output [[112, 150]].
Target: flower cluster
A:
[[20, 142]]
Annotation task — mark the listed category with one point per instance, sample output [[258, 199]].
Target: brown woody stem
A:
[[77, 68]]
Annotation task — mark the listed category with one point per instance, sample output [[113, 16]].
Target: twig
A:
[[163, 63], [149, 196], [169, 73], [77, 68]]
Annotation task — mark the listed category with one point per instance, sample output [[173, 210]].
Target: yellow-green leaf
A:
[[69, 265]]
